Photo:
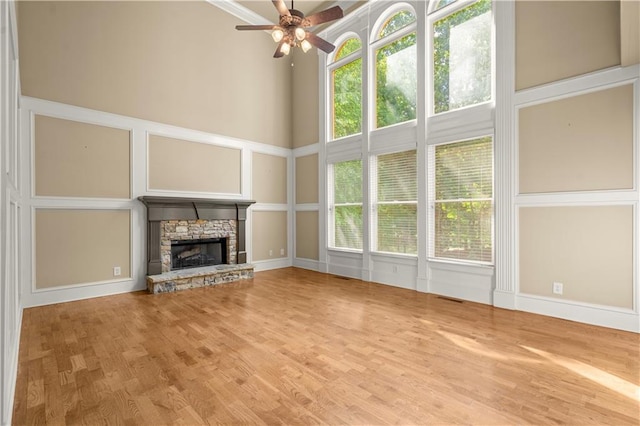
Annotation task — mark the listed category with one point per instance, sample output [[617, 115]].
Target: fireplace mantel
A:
[[175, 208], [161, 209]]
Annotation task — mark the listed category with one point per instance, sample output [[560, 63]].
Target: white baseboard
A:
[[312, 265], [72, 293], [604, 316], [422, 285], [345, 271], [394, 279], [504, 300], [267, 265], [472, 294]]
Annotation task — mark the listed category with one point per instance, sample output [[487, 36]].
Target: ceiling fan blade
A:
[[320, 43], [330, 14], [279, 53], [254, 27], [282, 8]]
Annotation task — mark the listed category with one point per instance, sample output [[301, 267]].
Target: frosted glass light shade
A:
[[300, 33], [305, 46], [286, 48], [277, 35]]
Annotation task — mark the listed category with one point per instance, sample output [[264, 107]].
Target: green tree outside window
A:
[[464, 200], [462, 58], [396, 73], [347, 92]]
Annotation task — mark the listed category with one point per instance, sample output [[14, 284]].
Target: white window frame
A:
[[432, 201], [332, 66], [427, 129], [379, 42], [434, 16], [457, 125], [376, 203], [331, 209]]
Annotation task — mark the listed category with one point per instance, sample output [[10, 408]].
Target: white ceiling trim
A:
[[250, 17], [234, 8]]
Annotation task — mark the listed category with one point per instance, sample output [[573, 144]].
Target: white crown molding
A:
[[252, 18], [236, 9]]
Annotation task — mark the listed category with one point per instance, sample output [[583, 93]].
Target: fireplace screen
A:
[[195, 253]]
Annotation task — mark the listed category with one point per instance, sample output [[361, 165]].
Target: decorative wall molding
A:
[[140, 129], [504, 145], [304, 151], [268, 207], [311, 207], [580, 85], [11, 207]]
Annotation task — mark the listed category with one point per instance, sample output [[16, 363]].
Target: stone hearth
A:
[[198, 277]]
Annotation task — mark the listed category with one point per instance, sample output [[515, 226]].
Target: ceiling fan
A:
[[291, 30]]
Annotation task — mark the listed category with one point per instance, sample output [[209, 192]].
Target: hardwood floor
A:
[[297, 347]]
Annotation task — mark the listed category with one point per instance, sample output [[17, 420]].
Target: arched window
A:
[[461, 56], [346, 89], [396, 69]]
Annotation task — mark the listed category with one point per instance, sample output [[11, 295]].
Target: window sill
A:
[[347, 251], [452, 265]]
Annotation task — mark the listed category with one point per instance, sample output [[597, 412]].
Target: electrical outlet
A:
[[116, 271], [281, 252], [270, 253], [395, 268], [557, 288]]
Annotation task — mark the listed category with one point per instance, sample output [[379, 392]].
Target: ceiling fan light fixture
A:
[[292, 29], [277, 35]]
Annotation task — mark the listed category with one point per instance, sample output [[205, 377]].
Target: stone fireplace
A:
[[197, 233], [195, 241]]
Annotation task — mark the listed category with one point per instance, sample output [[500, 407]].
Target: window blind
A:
[[395, 177], [347, 204], [461, 200]]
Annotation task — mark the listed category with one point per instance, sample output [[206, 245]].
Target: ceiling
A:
[[266, 9]]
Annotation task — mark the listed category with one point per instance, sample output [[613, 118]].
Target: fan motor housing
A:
[[295, 18]]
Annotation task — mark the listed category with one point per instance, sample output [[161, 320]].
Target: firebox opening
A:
[[196, 253]]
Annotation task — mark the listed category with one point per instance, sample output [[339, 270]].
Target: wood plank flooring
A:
[[296, 347]]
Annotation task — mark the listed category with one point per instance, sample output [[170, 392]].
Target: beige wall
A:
[[307, 235], [269, 178], [269, 235], [174, 62], [179, 165], [307, 179], [306, 102], [75, 159], [81, 246], [577, 144], [630, 32], [561, 39], [588, 249]]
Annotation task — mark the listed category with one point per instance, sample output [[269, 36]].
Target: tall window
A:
[[462, 57], [346, 84], [379, 102], [397, 202], [346, 207], [461, 200], [396, 70]]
